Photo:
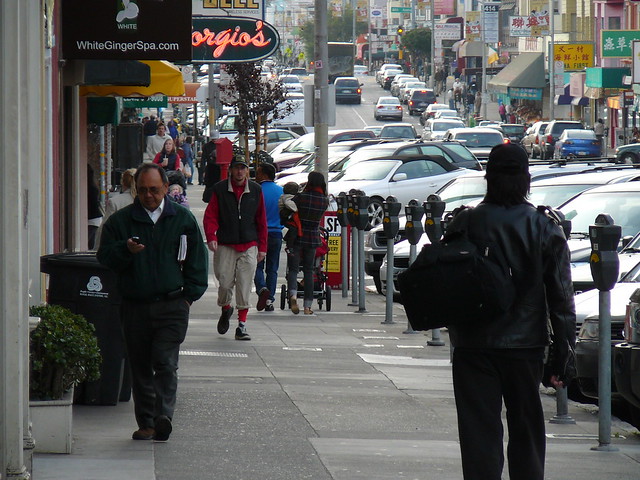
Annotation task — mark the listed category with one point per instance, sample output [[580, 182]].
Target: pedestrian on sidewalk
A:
[[505, 356], [235, 225], [312, 202], [266, 287], [598, 129], [158, 282]]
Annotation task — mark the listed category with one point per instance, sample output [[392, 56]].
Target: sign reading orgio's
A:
[[232, 39]]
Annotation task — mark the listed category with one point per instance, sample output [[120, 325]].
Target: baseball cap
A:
[[238, 161]]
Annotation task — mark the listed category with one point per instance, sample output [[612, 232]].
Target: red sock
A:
[[226, 307], [242, 315]]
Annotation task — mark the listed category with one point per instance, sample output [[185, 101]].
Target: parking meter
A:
[[413, 228], [433, 209], [604, 236], [390, 223], [361, 210], [343, 206], [351, 208]]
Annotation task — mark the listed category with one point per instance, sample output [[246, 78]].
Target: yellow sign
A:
[[576, 56], [595, 258], [334, 255]]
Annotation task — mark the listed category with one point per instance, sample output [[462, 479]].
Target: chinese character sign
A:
[[618, 43], [538, 18], [575, 56]]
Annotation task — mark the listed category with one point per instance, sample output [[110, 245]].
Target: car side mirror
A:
[[398, 177]]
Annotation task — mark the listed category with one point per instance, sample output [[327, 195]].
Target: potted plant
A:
[[64, 352]]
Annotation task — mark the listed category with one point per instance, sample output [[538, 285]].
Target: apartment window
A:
[[614, 23]]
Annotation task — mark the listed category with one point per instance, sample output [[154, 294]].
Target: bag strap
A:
[[557, 217]]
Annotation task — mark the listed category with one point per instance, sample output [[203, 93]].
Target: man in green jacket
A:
[[157, 251]]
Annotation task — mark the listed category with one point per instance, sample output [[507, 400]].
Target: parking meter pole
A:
[[604, 262], [341, 214], [391, 225], [361, 216], [354, 248], [433, 209], [562, 408], [413, 230]]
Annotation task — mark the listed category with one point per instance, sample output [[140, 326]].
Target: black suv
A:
[[551, 134], [419, 100]]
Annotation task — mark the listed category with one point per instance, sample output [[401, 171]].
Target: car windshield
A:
[[624, 208], [366, 154], [555, 195], [581, 134], [444, 126], [513, 129], [421, 95], [461, 151], [290, 80], [480, 139], [461, 190], [389, 101], [305, 143], [347, 83], [370, 170], [397, 132]]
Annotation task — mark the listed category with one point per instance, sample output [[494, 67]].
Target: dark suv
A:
[[551, 134], [348, 90], [419, 100]]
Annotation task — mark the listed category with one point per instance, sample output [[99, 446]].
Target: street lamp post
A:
[[484, 64]]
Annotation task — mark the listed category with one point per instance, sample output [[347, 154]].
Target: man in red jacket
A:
[[235, 225]]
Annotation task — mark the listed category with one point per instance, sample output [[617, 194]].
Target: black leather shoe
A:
[[223, 322], [163, 429], [263, 296], [144, 434]]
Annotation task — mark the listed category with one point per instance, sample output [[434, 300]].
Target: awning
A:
[[567, 99], [508, 5], [606, 77], [525, 71], [166, 79]]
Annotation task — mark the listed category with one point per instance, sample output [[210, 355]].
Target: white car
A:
[[387, 107], [405, 91], [291, 83], [435, 128], [360, 70], [275, 137], [406, 179]]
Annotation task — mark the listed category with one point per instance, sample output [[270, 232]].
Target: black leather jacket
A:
[[537, 252]]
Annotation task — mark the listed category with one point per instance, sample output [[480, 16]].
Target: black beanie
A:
[[507, 158]]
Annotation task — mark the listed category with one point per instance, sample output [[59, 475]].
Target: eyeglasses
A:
[[151, 190]]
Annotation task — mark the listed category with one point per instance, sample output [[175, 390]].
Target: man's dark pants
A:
[[480, 381], [271, 262], [153, 333]]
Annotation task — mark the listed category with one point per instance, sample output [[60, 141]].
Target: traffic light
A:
[[400, 30]]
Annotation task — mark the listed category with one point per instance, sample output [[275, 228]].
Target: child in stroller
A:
[[289, 213], [321, 290]]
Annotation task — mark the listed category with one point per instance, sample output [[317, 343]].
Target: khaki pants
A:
[[233, 268]]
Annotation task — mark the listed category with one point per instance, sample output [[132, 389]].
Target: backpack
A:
[[456, 282]]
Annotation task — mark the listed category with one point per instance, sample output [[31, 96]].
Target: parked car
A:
[[387, 107], [419, 100], [435, 128], [431, 110], [405, 90], [360, 70], [383, 68], [374, 128], [398, 131], [393, 86], [513, 131], [388, 77], [291, 154], [291, 83], [447, 113], [577, 144], [531, 140], [274, 138], [480, 140], [400, 84], [550, 136], [629, 153], [348, 89], [403, 177], [626, 361]]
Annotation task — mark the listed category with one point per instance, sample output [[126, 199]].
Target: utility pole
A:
[[321, 88], [432, 80], [552, 70], [484, 65]]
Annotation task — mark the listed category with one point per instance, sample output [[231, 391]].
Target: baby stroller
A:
[[321, 290]]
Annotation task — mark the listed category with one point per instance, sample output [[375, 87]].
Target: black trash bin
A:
[[78, 282]]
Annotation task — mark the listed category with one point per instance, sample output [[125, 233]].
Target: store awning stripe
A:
[[525, 71]]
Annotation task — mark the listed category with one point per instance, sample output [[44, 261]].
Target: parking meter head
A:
[[343, 207], [351, 209], [604, 236], [433, 210], [390, 223], [413, 227], [361, 211]]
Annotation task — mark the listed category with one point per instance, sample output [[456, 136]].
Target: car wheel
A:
[[359, 101], [628, 157], [376, 117], [375, 212]]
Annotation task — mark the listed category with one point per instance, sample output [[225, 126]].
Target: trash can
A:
[[78, 282]]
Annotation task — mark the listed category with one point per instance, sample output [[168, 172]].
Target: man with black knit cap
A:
[[503, 360], [235, 225]]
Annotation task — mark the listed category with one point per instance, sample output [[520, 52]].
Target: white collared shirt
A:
[[155, 215]]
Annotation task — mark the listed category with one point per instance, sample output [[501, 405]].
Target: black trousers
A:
[[153, 333], [481, 381]]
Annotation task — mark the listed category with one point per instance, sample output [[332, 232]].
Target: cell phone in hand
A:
[[135, 240]]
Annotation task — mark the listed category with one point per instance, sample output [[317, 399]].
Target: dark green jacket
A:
[[155, 271]]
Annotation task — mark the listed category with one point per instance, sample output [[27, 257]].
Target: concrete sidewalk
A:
[[338, 395]]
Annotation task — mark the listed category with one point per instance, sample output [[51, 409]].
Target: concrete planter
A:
[[52, 424]]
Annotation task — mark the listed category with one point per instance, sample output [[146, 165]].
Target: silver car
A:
[[387, 107]]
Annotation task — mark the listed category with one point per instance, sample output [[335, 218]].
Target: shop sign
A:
[[126, 30], [576, 56], [223, 8], [154, 101], [232, 39], [525, 93], [447, 31], [618, 43]]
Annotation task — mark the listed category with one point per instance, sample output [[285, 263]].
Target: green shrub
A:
[[64, 352]]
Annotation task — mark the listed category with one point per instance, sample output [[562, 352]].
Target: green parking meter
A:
[[343, 206], [361, 219], [342, 203], [605, 237], [361, 210], [433, 209], [351, 219]]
